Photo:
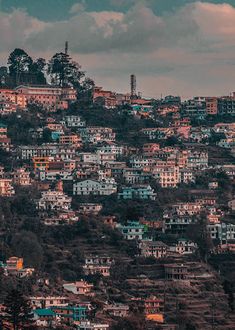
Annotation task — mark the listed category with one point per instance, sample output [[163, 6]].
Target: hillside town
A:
[[116, 210]]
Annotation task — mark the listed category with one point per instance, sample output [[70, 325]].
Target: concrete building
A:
[[155, 249], [132, 230], [54, 200], [92, 187], [6, 188], [176, 271], [144, 192]]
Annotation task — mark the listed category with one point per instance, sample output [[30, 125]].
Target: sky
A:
[[178, 47]]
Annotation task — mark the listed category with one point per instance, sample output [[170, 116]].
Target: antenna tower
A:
[[133, 86], [66, 47]]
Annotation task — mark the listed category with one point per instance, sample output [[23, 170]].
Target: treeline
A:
[[60, 70]]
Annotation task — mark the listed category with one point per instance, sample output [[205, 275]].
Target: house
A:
[[187, 208], [90, 208], [117, 310], [70, 314], [44, 317], [150, 305], [73, 139], [155, 249], [168, 176], [54, 200], [132, 230], [184, 247], [198, 159], [21, 177], [222, 231], [96, 264], [187, 176], [50, 97], [14, 265], [63, 218], [45, 150], [79, 287], [176, 224], [87, 325], [6, 188], [144, 192], [136, 176], [48, 301], [176, 271], [92, 187], [74, 121]]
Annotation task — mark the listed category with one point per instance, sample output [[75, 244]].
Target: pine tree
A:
[[18, 310]]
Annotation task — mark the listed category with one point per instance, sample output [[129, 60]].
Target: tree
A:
[[18, 310], [64, 71], [19, 63], [37, 71], [25, 244]]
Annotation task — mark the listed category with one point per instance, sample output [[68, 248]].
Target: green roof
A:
[[44, 312]]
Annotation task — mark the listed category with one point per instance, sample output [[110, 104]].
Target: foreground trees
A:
[[18, 311]]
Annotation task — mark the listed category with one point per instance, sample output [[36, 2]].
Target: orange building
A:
[[212, 105], [48, 96], [70, 139], [41, 163], [6, 188], [14, 264]]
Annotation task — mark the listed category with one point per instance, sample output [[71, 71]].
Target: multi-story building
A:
[[14, 264], [6, 188], [195, 108], [222, 231], [145, 192], [132, 230], [117, 310], [97, 264], [92, 187], [176, 271], [212, 105], [89, 208], [48, 301], [155, 249], [45, 150], [73, 139], [79, 287], [74, 121], [187, 176], [226, 105], [54, 200], [198, 160], [167, 176], [183, 246], [47, 96], [21, 177]]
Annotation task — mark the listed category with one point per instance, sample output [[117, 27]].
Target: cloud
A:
[[186, 51]]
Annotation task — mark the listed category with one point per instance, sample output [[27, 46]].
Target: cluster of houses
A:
[[86, 164]]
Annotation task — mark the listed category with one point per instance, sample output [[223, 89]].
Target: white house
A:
[[92, 187]]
